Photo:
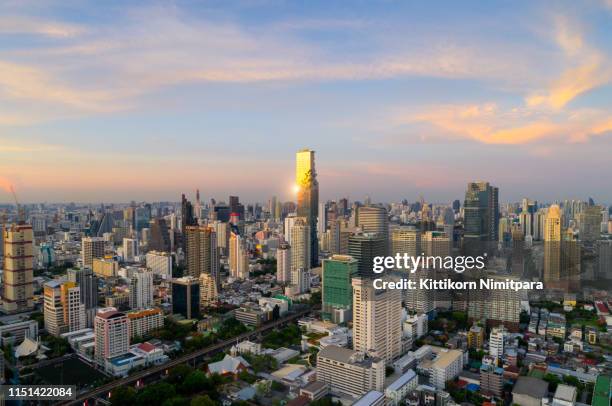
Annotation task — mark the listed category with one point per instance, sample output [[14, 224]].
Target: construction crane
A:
[[20, 209]]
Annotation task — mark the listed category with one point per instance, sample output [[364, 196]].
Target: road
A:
[[160, 369]]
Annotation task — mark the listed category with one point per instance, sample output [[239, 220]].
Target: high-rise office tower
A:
[[300, 244], [18, 263], [364, 247], [197, 210], [405, 240], [322, 220], [289, 221], [186, 297], [238, 257], [130, 249], [141, 289], [333, 244], [589, 223], [201, 252], [112, 337], [539, 219], [436, 244], [552, 246], [308, 198], [88, 285], [481, 217], [603, 248], [187, 217], [272, 208], [92, 247], [160, 263], [337, 292], [373, 220], [160, 236], [236, 207], [283, 263], [377, 320], [63, 310]]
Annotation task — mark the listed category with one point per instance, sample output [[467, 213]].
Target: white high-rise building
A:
[[141, 289], [160, 263], [112, 337], [130, 249], [289, 221], [283, 263], [238, 257], [377, 319], [300, 244], [496, 342]]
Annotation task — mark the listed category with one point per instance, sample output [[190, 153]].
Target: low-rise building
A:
[[399, 389], [565, 395], [348, 372]]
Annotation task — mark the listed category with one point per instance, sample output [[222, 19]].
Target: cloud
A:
[[26, 25], [587, 69], [490, 124], [31, 83], [108, 68]]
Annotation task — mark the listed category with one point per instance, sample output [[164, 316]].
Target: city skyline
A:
[[113, 103]]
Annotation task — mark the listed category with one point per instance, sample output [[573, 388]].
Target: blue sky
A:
[[114, 101]]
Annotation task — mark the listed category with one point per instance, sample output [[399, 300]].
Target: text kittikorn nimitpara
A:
[[448, 284]]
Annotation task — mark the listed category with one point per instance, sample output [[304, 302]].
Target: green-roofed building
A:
[[338, 272], [602, 391]]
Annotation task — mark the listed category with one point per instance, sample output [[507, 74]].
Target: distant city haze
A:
[[113, 101]]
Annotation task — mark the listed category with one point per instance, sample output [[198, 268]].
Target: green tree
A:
[[123, 396], [195, 382], [203, 400], [176, 401], [155, 395], [179, 373]]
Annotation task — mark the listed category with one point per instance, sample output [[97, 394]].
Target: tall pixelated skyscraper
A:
[[18, 262], [481, 217], [308, 197]]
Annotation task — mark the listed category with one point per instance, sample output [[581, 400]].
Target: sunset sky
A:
[[117, 101]]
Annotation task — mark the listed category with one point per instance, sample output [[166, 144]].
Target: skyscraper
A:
[[300, 244], [283, 263], [63, 310], [88, 285], [405, 240], [589, 223], [238, 256], [187, 217], [308, 198], [201, 251], [337, 291], [112, 338], [160, 236], [377, 317], [364, 247], [91, 247], [374, 220], [481, 217], [186, 297], [18, 262], [141, 289], [552, 246]]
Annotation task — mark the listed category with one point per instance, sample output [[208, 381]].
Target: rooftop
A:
[[530, 386]]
